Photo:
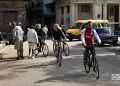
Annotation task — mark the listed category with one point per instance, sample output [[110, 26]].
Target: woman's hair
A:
[[57, 26], [38, 25]]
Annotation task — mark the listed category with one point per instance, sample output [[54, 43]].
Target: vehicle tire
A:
[[70, 39], [66, 49], [96, 68], [86, 62], [60, 58], [36, 51], [114, 43], [45, 50]]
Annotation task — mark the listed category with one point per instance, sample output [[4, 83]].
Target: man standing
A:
[[18, 39]]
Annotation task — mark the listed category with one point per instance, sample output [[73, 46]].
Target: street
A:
[[43, 71]]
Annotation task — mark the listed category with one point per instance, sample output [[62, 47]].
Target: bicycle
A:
[[90, 60], [43, 48], [66, 49], [58, 51]]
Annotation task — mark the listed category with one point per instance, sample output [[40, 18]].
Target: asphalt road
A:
[[43, 71]]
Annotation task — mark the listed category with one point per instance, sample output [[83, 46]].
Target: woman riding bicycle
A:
[[88, 35], [40, 33], [57, 33]]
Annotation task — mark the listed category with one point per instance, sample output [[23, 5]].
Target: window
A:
[[68, 9], [62, 10], [85, 8]]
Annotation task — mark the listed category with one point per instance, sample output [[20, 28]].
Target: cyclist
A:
[[88, 35], [57, 35], [40, 33]]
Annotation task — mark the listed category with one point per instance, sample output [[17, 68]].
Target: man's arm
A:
[[97, 37], [83, 36]]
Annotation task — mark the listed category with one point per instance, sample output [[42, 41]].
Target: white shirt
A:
[[94, 33], [32, 36]]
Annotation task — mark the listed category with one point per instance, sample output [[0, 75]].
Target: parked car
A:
[[107, 36]]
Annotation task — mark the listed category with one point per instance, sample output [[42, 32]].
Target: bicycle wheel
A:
[[86, 62], [66, 49], [60, 57], [36, 51], [45, 49], [96, 68]]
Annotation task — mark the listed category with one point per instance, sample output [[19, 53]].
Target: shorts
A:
[[32, 45], [18, 45]]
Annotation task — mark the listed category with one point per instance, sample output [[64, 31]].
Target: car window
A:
[[76, 26], [100, 31]]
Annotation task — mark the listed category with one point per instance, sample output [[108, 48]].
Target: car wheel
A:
[[70, 39], [114, 43]]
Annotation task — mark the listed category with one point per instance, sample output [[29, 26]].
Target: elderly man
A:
[[18, 39]]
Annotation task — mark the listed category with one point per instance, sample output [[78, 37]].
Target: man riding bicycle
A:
[[88, 35]]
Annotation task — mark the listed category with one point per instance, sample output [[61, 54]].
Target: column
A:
[[95, 11], [76, 12], [72, 14], [104, 11]]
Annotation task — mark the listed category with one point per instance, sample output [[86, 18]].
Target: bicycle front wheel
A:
[[60, 58], [86, 62], [96, 68], [45, 50], [66, 49]]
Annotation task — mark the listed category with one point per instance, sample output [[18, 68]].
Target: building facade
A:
[[12, 10], [41, 11], [35, 12], [68, 11]]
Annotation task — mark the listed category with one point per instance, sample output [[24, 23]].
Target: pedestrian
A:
[[45, 29], [10, 35], [32, 39], [18, 40]]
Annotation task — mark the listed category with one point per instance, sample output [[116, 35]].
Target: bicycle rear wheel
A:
[[45, 49], [86, 62], [36, 51], [96, 68], [66, 49]]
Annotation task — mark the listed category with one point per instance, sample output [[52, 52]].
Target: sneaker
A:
[[18, 58], [32, 57]]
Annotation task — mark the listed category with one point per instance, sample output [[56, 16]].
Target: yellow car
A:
[[75, 31]]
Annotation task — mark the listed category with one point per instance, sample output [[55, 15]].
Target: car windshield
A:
[[100, 31], [76, 26]]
